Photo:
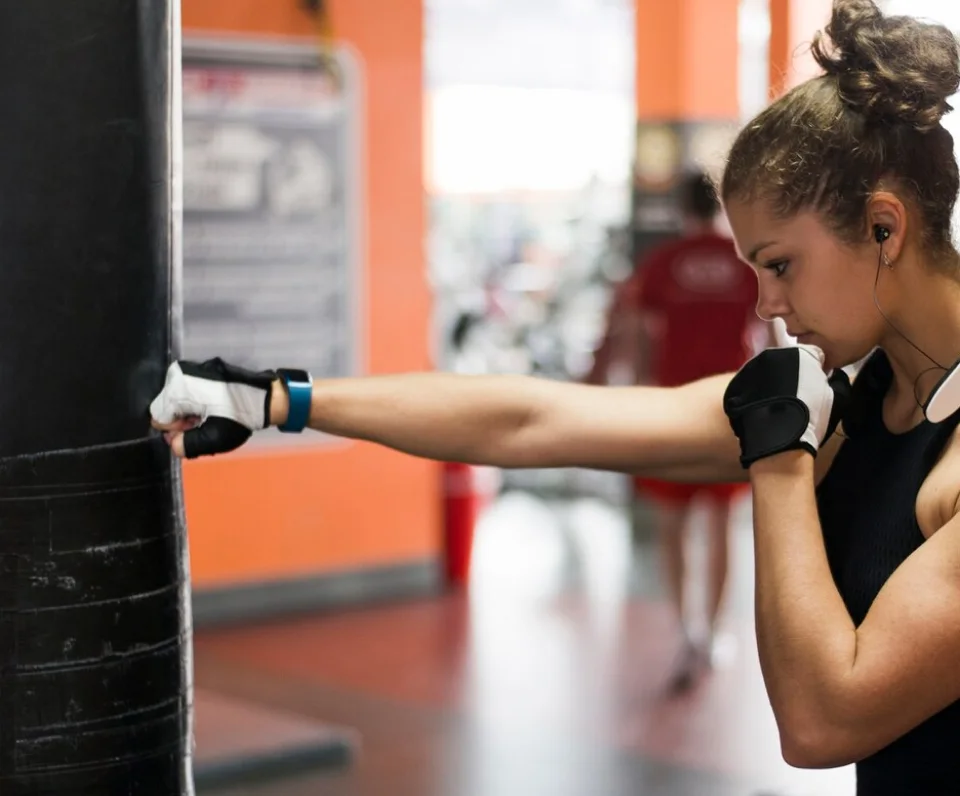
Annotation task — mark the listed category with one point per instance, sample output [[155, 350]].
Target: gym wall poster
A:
[[272, 210]]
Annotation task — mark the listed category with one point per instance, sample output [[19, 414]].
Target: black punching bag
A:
[[94, 615]]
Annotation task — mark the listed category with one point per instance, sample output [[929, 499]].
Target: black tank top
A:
[[867, 510]]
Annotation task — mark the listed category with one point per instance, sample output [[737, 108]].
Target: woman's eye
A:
[[778, 267]]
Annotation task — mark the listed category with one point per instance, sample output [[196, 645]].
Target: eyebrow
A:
[[752, 257]]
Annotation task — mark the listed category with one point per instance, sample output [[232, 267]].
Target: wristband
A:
[[299, 388]]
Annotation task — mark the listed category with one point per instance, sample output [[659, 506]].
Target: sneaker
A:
[[720, 650], [687, 669]]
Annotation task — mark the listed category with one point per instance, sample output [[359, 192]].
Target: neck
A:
[[929, 316]]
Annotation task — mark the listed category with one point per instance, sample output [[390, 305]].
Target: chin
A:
[[836, 354], [841, 359]]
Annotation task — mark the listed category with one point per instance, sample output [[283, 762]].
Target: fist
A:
[[783, 400], [211, 407]]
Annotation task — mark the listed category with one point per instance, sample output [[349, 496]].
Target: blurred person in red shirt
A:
[[687, 312]]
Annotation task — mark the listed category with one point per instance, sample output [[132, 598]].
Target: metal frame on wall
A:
[[273, 210]]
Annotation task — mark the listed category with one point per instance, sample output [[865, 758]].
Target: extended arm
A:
[[505, 421], [521, 421]]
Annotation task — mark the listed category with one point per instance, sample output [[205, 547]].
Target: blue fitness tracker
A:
[[299, 388]]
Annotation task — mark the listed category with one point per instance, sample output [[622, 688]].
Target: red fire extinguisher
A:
[[467, 491]]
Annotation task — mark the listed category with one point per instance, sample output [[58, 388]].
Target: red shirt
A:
[[705, 298]]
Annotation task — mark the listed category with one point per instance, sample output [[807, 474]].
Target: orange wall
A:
[[792, 25], [780, 47], [687, 56], [256, 517]]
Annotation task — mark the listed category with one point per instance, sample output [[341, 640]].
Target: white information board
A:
[[272, 210]]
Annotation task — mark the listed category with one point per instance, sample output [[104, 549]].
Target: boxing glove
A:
[[783, 400]]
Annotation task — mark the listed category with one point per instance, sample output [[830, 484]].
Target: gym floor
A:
[[548, 679]]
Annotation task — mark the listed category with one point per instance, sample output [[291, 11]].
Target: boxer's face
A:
[[819, 285]]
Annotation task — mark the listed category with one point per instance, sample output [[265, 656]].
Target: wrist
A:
[[788, 463], [279, 403], [297, 385]]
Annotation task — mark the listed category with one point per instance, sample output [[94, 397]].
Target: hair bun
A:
[[890, 69]]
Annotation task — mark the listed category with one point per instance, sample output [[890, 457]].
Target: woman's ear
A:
[[887, 219]]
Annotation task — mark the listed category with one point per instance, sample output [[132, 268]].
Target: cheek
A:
[[848, 330], [839, 298], [855, 300]]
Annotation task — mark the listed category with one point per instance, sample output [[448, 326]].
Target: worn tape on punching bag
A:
[[94, 618]]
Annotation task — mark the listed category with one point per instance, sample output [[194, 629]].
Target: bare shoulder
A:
[[906, 648], [939, 498]]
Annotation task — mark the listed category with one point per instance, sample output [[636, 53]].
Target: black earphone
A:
[[944, 399]]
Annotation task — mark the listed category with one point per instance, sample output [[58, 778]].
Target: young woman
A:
[[840, 194]]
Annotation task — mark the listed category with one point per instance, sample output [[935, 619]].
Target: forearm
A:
[[806, 639], [442, 416], [523, 421]]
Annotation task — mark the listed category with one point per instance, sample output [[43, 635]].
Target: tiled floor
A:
[[547, 678]]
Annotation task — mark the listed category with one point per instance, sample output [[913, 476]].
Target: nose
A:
[[771, 302]]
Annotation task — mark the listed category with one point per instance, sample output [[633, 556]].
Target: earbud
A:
[[944, 399]]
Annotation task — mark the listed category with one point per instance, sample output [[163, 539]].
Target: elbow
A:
[[807, 751], [815, 745], [820, 732], [529, 435], [830, 726]]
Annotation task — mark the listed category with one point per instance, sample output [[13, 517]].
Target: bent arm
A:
[[841, 692], [522, 421]]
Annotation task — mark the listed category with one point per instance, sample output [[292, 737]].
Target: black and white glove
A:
[[782, 400], [215, 406]]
